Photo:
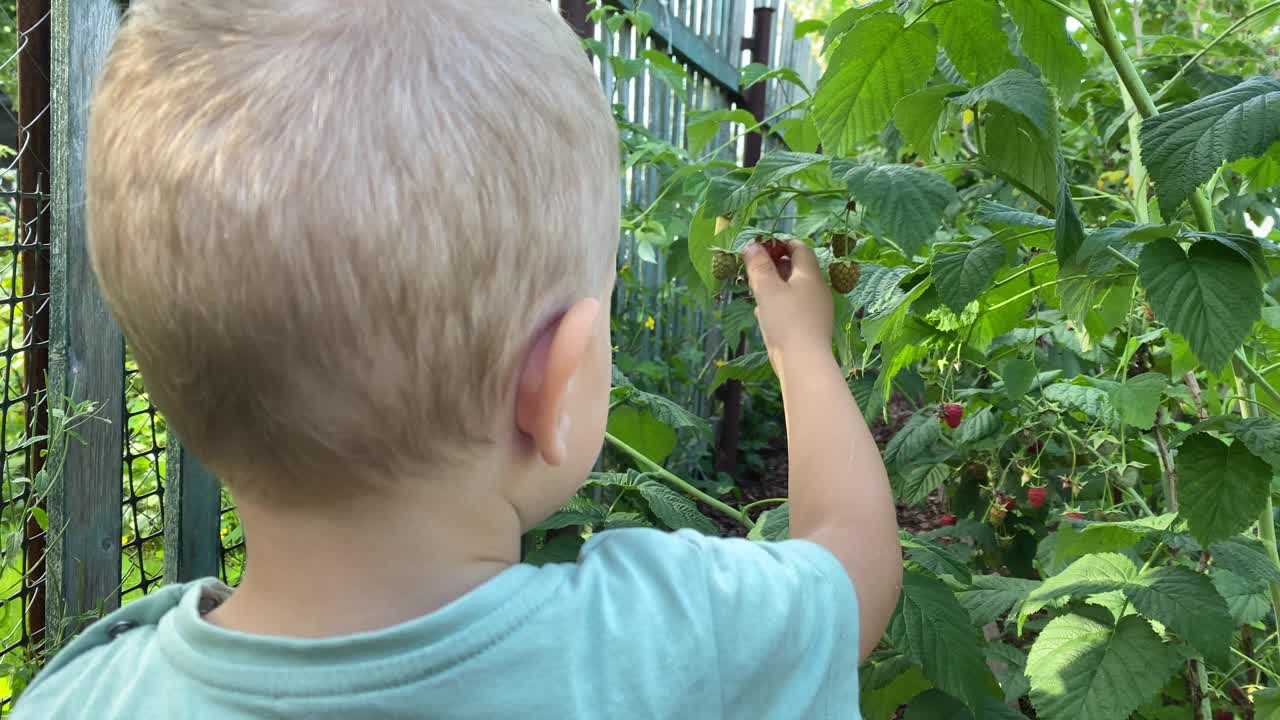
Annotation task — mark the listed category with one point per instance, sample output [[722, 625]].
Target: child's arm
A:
[[840, 496]]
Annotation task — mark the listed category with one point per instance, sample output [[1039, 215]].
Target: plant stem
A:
[[1132, 82], [1072, 12], [684, 485], [1170, 472], [1275, 5]]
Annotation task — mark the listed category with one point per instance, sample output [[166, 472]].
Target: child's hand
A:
[[795, 313]]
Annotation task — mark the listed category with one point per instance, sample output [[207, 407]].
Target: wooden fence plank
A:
[[688, 47], [86, 353], [192, 517]]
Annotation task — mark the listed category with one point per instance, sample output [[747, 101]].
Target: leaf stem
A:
[[653, 467], [1079, 17]]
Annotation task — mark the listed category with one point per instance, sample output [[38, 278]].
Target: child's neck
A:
[[368, 564]]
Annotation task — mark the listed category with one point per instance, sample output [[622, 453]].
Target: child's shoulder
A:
[[96, 668]]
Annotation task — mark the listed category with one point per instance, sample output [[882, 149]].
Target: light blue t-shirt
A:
[[646, 625]]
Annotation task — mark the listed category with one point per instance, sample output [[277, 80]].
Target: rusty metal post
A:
[[729, 434], [32, 146], [576, 13]]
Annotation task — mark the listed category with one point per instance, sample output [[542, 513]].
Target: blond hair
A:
[[330, 229]]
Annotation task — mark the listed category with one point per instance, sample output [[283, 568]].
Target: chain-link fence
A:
[[98, 504]]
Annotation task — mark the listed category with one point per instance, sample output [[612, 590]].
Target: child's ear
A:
[[542, 396]]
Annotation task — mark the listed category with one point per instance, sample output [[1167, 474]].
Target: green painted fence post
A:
[[192, 515]]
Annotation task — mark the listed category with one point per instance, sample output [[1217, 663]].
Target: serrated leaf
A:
[[675, 510], [1246, 246], [642, 431], [1266, 704], [1137, 399], [962, 276], [1248, 599], [907, 201], [617, 520], [702, 237], [667, 412], [559, 549], [773, 524], [917, 116], [933, 629], [878, 290], [920, 481], [1090, 575], [704, 126], [752, 367], [1010, 669], [990, 597], [879, 62], [978, 426], [1043, 37], [667, 70], [993, 213], [1081, 669], [883, 701], [1220, 487], [1185, 602], [1261, 435], [1018, 376], [1091, 401], [772, 169], [1245, 557], [1182, 148], [1016, 150], [935, 558], [576, 511], [920, 432], [1210, 296], [1018, 91], [971, 33]]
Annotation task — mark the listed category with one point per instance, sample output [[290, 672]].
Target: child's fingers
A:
[[762, 274], [804, 262]]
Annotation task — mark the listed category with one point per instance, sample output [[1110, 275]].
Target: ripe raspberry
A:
[[844, 276], [952, 414], [724, 265], [1036, 497], [777, 249], [1224, 715], [1074, 515], [1010, 504], [948, 520], [842, 244]]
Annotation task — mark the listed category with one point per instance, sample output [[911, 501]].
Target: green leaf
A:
[[1266, 704], [773, 168], [920, 481], [1247, 558], [1090, 575], [774, 524], [559, 549], [962, 276], [666, 69], [1016, 150], [991, 596], [1083, 670], [1248, 599], [703, 127], [1138, 398], [1043, 37], [907, 201], [978, 426], [799, 133], [752, 367], [1184, 147], [1185, 602], [1210, 296], [1010, 666], [917, 116], [667, 412], [992, 213], [1018, 377], [879, 62], [935, 558], [642, 431], [851, 17], [1246, 246], [41, 517], [1220, 487], [920, 432], [1091, 401], [576, 511], [1068, 229], [702, 237], [1261, 435], [973, 37], [808, 27], [674, 510], [933, 629], [755, 73], [1018, 91], [625, 520], [883, 701]]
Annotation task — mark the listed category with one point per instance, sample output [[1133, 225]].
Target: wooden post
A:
[[86, 354], [192, 517], [729, 433]]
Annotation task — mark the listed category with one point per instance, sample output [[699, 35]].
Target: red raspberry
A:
[[1224, 715], [1074, 515], [777, 249], [1036, 496], [948, 520], [952, 414]]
